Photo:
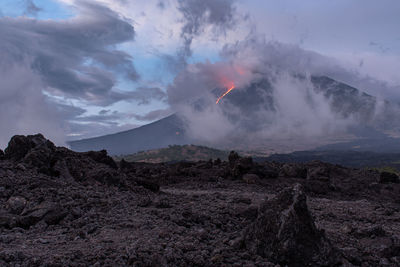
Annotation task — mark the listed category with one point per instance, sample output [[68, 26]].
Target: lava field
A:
[[64, 208]]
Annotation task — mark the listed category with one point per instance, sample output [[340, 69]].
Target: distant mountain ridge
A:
[[161, 133], [344, 100], [174, 153], [355, 159]]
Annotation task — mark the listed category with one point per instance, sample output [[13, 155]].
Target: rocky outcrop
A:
[[388, 177], [38, 152], [317, 170], [293, 170], [285, 233], [238, 165], [241, 166], [102, 157], [15, 205], [20, 145]]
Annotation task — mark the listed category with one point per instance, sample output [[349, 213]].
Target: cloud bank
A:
[[80, 76], [282, 93], [74, 59]]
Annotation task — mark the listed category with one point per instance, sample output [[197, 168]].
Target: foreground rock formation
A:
[[285, 232], [62, 208]]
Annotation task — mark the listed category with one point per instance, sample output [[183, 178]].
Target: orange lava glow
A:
[[227, 92]]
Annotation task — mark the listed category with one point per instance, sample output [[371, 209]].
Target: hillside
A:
[[164, 132], [345, 101], [176, 153]]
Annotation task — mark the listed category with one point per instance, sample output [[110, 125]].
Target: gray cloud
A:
[[197, 15], [200, 13], [107, 121], [79, 59], [143, 95], [161, 5], [74, 58], [104, 111], [23, 109], [153, 115], [107, 118], [92, 129], [67, 111], [276, 97]]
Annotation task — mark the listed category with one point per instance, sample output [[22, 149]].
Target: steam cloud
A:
[[197, 16], [278, 96]]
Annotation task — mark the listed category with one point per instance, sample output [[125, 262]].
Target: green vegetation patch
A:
[[388, 169], [176, 153]]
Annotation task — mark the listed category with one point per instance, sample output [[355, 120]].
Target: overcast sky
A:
[[81, 68]]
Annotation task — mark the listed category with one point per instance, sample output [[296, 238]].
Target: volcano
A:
[[344, 100], [161, 133]]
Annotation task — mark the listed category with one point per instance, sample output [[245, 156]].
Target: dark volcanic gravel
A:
[[62, 208]]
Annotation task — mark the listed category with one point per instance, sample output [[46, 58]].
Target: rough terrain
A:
[[63, 208]]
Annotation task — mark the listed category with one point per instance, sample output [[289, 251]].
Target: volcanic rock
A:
[[152, 186], [293, 170], [264, 171], [371, 232], [188, 213], [251, 178], [36, 151], [49, 212], [285, 233], [7, 220], [102, 157], [232, 158], [317, 170], [217, 161], [1, 154], [238, 165], [16, 205], [388, 177], [20, 145]]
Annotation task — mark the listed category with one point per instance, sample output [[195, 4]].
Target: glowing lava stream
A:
[[227, 92]]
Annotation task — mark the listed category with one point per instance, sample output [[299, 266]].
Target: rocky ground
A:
[[62, 208]]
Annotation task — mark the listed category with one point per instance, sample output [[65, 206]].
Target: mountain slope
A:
[[161, 133], [344, 100]]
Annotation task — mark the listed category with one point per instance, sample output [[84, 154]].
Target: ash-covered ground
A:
[[62, 208]]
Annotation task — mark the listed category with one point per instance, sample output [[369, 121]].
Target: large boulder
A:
[[250, 178], [20, 145], [51, 213], [239, 166], [102, 157], [84, 169], [33, 150], [319, 171], [16, 205], [293, 170], [233, 158], [285, 233]]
